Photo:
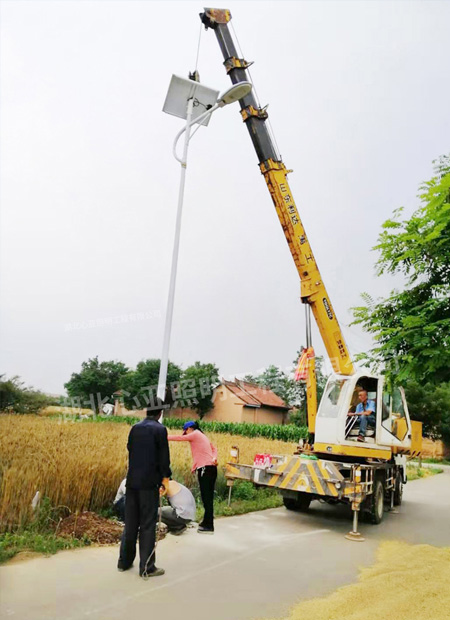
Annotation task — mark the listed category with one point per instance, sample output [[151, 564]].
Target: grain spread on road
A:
[[407, 581]]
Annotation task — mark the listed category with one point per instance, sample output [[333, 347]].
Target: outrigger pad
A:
[[355, 536]]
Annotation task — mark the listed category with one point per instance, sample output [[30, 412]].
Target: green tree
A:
[[95, 384], [139, 386], [298, 416], [445, 426], [297, 396], [430, 404], [411, 328], [292, 392], [275, 379], [16, 397], [196, 387]]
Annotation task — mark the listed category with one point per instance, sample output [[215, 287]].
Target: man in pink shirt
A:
[[204, 457]]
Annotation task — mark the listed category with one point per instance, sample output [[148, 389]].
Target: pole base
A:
[[355, 536], [394, 511]]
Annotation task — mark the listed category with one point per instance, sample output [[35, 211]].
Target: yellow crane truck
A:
[[335, 464]]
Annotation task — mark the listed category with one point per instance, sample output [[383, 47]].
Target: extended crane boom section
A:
[[344, 460], [313, 291]]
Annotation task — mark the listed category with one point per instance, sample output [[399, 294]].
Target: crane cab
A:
[[337, 432]]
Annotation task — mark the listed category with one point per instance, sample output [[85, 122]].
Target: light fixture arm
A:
[[199, 119]]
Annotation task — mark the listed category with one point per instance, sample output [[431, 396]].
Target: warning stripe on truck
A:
[[296, 474], [276, 478], [288, 478], [316, 486], [326, 475]]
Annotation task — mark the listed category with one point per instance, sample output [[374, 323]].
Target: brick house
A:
[[240, 401]]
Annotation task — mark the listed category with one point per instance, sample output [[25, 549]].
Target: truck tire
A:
[[376, 503], [398, 490], [300, 503]]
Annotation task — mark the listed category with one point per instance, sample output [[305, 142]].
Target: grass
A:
[[39, 536], [433, 460], [266, 498], [414, 473], [245, 497], [47, 543]]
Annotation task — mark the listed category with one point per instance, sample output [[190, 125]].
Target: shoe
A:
[[178, 532], [122, 568], [360, 438], [205, 530], [156, 572]]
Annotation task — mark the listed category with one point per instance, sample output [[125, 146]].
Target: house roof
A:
[[255, 396]]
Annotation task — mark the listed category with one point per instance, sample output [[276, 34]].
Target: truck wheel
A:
[[376, 510], [398, 490], [301, 502]]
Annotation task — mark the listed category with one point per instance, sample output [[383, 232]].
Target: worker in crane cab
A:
[[366, 411]]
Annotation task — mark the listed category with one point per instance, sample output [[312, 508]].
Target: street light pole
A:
[[233, 94], [162, 381]]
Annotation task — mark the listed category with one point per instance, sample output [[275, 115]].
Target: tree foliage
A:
[[16, 397], [445, 426], [292, 392], [276, 380], [298, 396], [196, 387], [96, 383], [139, 386], [430, 404], [411, 328]]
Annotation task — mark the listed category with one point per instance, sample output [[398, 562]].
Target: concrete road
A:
[[255, 566]]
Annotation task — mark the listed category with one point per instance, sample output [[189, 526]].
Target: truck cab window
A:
[[399, 422], [329, 406], [386, 410]]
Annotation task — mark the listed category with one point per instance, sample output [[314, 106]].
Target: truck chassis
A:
[[301, 478]]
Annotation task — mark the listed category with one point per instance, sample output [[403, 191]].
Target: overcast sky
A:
[[359, 104]]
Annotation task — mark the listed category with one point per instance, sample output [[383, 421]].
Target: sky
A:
[[359, 100]]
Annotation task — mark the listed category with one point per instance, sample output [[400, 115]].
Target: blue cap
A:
[[188, 425]]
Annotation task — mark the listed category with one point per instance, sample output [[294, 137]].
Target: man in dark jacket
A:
[[148, 470]]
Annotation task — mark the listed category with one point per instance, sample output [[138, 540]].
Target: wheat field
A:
[[81, 464]]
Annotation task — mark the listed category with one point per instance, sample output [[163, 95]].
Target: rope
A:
[[241, 54], [198, 46], [146, 575]]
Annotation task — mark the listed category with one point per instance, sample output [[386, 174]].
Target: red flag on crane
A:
[[301, 372]]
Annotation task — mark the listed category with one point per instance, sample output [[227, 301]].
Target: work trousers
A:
[[141, 515], [364, 422], [119, 508], [172, 520], [207, 480]]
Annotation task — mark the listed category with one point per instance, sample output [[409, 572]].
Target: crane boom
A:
[[363, 471], [313, 291]]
